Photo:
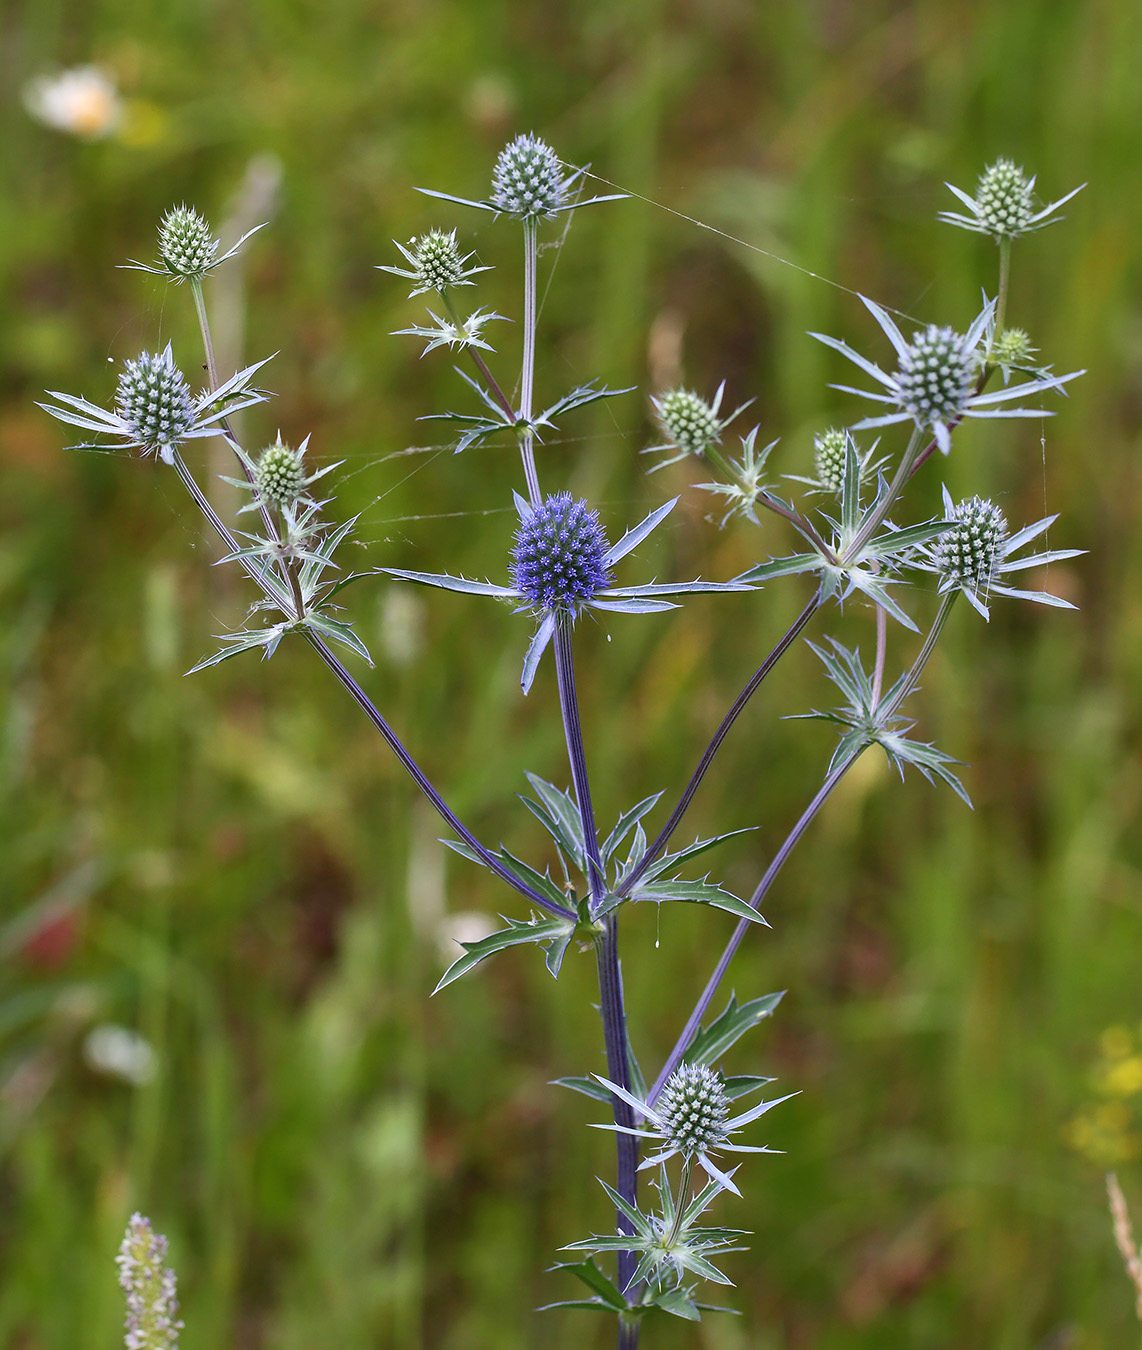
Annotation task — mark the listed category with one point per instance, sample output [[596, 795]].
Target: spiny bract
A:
[[154, 401], [936, 375], [559, 559], [528, 178], [186, 245], [694, 1108], [970, 553]]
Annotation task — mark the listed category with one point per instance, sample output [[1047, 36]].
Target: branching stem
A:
[[735, 711], [694, 1021]]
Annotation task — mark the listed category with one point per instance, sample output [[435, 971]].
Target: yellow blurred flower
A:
[[82, 101]]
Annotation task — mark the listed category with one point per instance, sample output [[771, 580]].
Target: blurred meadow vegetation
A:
[[234, 868]]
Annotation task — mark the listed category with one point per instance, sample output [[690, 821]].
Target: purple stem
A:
[[663, 838], [690, 1030], [694, 1020], [606, 948], [270, 586], [573, 733], [373, 714]]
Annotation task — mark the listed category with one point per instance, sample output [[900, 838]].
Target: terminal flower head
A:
[[188, 249], [692, 1119], [529, 183], [975, 554], [435, 263], [561, 565], [154, 408], [1004, 204], [936, 378]]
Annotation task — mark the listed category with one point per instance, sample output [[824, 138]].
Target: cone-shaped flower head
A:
[[694, 1109], [970, 553], [689, 421], [829, 451], [934, 383], [437, 260], [186, 244], [559, 559], [153, 401], [1003, 199], [528, 179], [1004, 204], [936, 375], [152, 1303], [279, 474]]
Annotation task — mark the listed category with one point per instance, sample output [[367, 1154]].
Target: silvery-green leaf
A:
[[711, 1043]]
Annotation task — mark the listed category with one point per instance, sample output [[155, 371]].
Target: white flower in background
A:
[[82, 101], [119, 1052]]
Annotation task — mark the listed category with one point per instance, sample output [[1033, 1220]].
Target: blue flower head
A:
[[559, 560]]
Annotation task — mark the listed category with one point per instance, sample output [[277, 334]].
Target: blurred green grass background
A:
[[231, 865]]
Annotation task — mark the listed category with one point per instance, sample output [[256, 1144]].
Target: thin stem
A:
[[204, 328], [272, 589], [694, 1021], [683, 1196], [527, 374], [269, 585], [611, 1003], [1004, 280], [903, 473], [481, 365], [444, 810], [617, 1048], [881, 651], [573, 733], [227, 429], [736, 709]]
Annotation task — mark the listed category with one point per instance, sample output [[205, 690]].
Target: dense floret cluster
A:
[[185, 243], [688, 421], [528, 179], [1003, 199], [936, 375], [559, 559], [829, 450], [694, 1108], [154, 401], [279, 475], [970, 553]]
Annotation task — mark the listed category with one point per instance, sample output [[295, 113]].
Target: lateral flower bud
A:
[[829, 451], [279, 474], [971, 553], [1013, 348], [689, 421]]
